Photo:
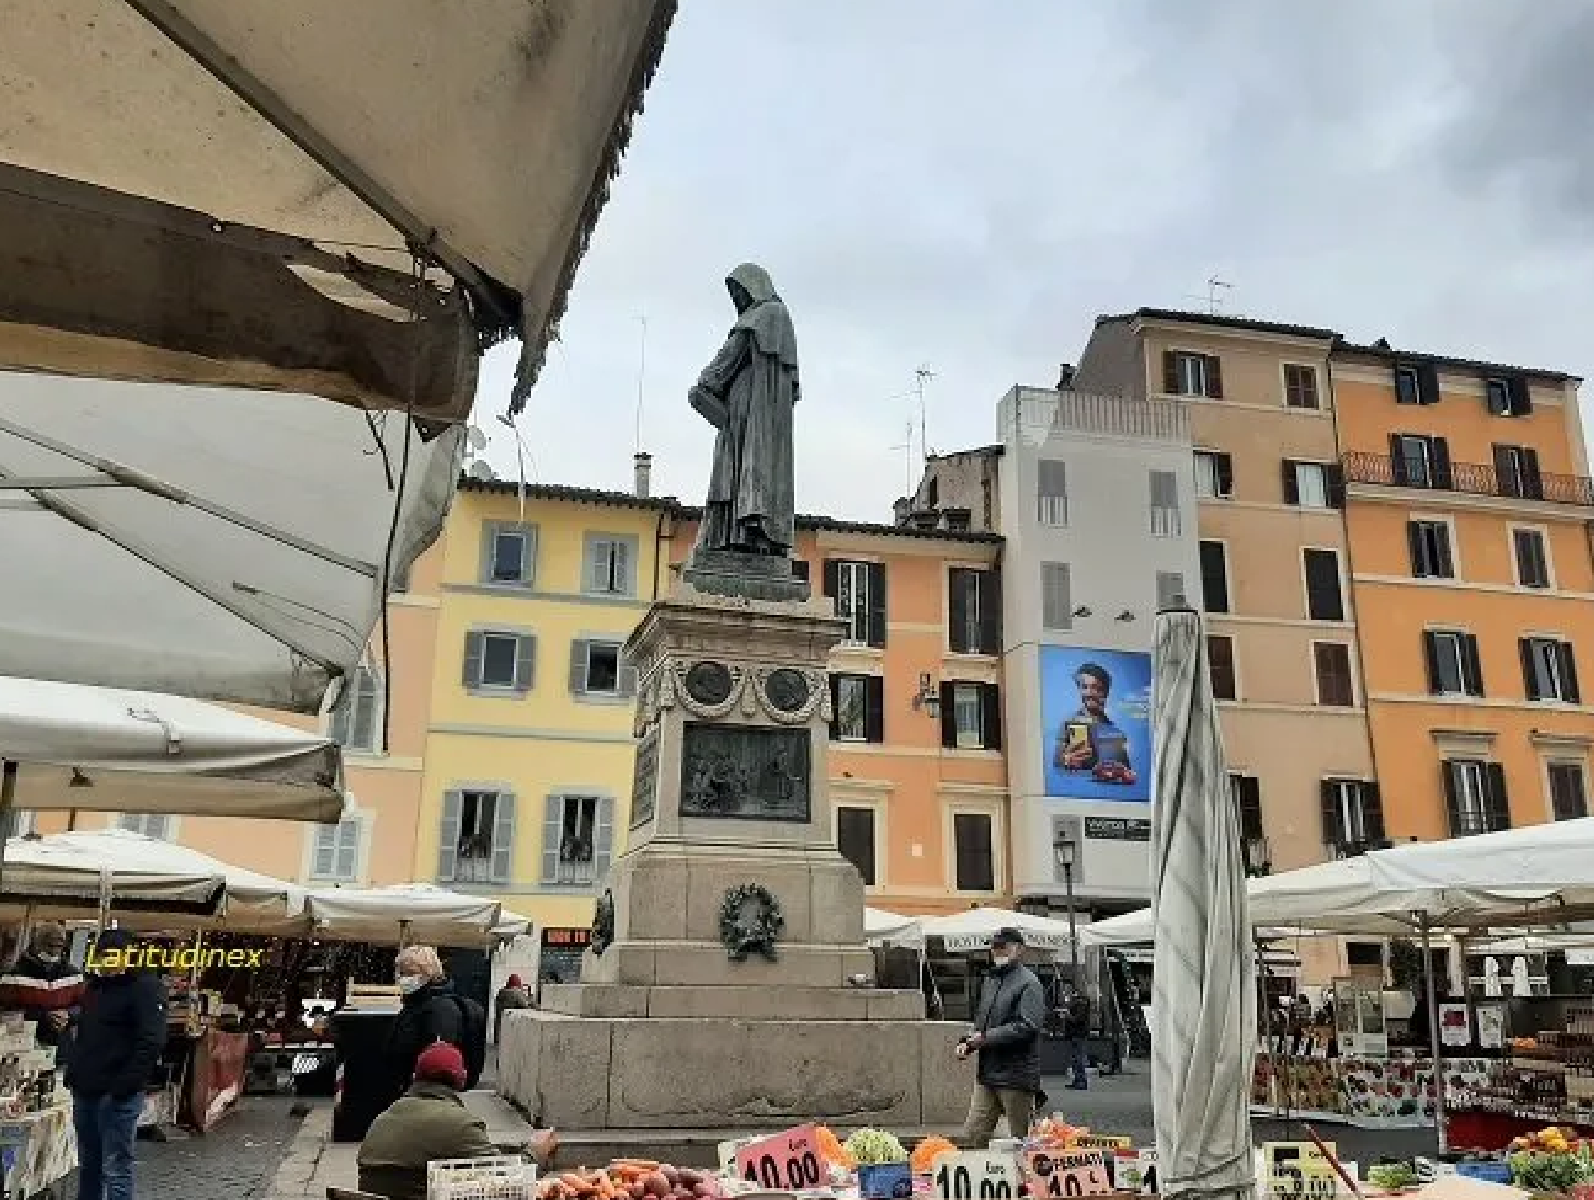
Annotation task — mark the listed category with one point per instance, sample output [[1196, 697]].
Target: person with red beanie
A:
[[511, 996], [428, 1122]]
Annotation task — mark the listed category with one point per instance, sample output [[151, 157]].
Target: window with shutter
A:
[[1454, 668], [1165, 517], [508, 554], [1214, 577], [1507, 396], [973, 852], [356, 723], [1300, 386], [502, 660], [1407, 388], [575, 863], [1246, 793], [335, 853], [1335, 686], [1475, 797], [874, 709], [853, 583], [1057, 602], [477, 836], [1549, 670], [610, 565], [990, 716], [877, 605], [1051, 493], [1429, 543], [851, 708], [1311, 485], [595, 668], [1532, 557], [855, 839], [1325, 599], [1220, 667], [972, 610], [968, 712], [1517, 474], [1568, 790], [1214, 475], [1170, 589]]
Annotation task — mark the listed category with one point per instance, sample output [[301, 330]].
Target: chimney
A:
[[642, 465], [1065, 377]]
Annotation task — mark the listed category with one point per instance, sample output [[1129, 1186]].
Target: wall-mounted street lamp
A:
[[928, 698], [1067, 850]]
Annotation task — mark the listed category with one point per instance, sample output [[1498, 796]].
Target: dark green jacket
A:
[[428, 1122]]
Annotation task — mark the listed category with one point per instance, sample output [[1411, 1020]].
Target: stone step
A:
[[695, 1148], [750, 1002]]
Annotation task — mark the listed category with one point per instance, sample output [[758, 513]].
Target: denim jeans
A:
[[1078, 1059], [105, 1128]]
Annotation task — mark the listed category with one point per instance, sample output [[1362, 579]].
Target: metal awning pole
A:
[[1425, 926], [8, 805]]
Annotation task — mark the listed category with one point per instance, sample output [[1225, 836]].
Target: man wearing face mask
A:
[[1005, 1043], [44, 984], [430, 1011]]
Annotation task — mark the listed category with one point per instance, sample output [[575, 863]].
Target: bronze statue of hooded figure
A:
[[747, 394]]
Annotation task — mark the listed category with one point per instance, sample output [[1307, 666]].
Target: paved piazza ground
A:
[[240, 1159]]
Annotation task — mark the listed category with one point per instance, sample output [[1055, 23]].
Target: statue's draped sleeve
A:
[[717, 377]]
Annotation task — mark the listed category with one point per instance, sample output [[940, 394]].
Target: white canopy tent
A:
[[411, 913], [973, 930], [99, 749], [887, 930], [171, 886]]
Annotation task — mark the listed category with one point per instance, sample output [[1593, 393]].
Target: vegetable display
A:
[[871, 1147], [631, 1179], [927, 1151], [1391, 1177], [1550, 1161], [832, 1151]]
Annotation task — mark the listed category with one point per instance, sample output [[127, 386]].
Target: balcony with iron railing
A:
[[1472, 479]]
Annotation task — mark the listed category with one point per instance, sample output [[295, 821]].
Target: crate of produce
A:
[[508, 1177]]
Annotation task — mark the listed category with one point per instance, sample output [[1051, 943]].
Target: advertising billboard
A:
[[1096, 723]]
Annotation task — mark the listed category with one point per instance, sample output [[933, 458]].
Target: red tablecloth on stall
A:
[[220, 1062]]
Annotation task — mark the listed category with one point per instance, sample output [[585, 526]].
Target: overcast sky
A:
[[964, 186]]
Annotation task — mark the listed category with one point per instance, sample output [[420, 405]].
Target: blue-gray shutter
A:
[[473, 661], [553, 825], [597, 575], [325, 854], [603, 838], [628, 675], [624, 566], [346, 849], [488, 548], [503, 838], [578, 667], [525, 662], [448, 837]]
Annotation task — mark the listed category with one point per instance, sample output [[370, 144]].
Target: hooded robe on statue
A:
[[747, 394]]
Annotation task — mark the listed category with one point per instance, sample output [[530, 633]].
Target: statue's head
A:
[[750, 284]]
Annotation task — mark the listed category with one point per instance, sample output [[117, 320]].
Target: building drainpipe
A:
[[659, 539]]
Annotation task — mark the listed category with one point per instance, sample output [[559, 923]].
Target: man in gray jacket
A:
[[1006, 1043]]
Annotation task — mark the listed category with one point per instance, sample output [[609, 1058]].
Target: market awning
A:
[[239, 192], [972, 930], [211, 543], [410, 913], [104, 750]]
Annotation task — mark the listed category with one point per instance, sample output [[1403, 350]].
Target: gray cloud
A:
[[931, 185]]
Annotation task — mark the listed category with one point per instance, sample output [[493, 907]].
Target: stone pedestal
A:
[[729, 985]]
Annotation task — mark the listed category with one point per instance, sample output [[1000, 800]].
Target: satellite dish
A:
[[480, 470], [475, 438]]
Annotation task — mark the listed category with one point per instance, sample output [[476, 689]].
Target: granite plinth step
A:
[[696, 964], [753, 1002]]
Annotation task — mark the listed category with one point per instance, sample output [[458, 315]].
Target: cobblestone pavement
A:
[[236, 1160], [1122, 1105]]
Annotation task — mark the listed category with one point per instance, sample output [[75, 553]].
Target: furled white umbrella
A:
[[1203, 1036]]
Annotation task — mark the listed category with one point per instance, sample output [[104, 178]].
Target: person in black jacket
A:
[[44, 984], [116, 1041], [1006, 1043], [429, 1012]]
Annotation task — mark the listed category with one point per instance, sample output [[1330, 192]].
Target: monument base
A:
[[745, 576], [618, 1074]]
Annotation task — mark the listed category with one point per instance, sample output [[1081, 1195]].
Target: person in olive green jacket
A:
[[428, 1122]]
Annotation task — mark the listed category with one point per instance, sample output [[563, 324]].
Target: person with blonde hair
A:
[[430, 1011]]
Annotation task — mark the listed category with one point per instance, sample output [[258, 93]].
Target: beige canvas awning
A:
[[239, 192]]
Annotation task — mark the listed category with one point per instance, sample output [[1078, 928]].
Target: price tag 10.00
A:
[[1135, 1171], [977, 1175], [787, 1162], [1054, 1175]]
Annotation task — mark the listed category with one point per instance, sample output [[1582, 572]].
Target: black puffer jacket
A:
[[1009, 1017], [118, 1036], [427, 1015]]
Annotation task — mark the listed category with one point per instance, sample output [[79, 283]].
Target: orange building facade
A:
[[1468, 517], [917, 773]]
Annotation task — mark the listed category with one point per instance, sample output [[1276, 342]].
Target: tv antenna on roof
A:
[[1213, 302], [921, 376]]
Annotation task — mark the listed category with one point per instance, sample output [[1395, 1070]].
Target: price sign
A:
[[977, 1175], [1096, 1141], [1052, 1175], [1135, 1171], [1298, 1169], [786, 1162]]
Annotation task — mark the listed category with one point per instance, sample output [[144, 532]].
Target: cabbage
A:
[[870, 1147]]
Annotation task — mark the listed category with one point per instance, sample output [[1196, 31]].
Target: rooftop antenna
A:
[[641, 375], [1213, 303], [921, 376], [906, 447]]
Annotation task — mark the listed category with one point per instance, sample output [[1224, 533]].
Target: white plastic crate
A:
[[508, 1177]]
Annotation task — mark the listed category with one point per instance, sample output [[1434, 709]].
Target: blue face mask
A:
[[409, 984]]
